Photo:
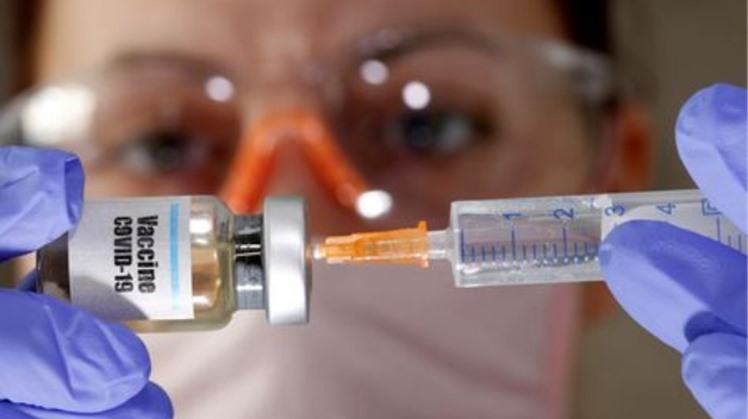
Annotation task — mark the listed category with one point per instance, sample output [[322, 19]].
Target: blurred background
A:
[[670, 48]]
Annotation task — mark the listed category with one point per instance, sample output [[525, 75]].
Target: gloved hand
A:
[[686, 289], [56, 361]]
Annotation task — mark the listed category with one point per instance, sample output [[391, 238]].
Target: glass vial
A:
[[182, 263]]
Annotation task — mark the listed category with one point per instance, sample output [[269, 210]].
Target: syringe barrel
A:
[[556, 239]]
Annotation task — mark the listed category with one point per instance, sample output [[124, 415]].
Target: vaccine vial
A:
[[182, 263]]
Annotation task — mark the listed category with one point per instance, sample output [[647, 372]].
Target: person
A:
[[696, 305], [426, 101]]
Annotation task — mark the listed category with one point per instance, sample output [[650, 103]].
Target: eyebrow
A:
[[389, 42], [192, 65]]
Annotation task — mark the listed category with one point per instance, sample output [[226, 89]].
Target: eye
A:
[[435, 132], [162, 126], [166, 151]]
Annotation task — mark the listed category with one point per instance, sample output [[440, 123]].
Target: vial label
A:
[[130, 259]]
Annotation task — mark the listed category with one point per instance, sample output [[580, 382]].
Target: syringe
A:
[[530, 240]]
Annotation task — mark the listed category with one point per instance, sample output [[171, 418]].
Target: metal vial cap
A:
[[286, 260]]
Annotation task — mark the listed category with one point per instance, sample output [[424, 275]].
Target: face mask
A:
[[382, 342]]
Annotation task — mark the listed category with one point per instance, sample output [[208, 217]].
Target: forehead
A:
[[76, 35]]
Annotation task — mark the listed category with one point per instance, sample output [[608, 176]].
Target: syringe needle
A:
[[402, 246]]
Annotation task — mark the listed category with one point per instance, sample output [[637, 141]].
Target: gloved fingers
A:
[[151, 403], [711, 139], [9, 411], [56, 356], [714, 369], [41, 194], [667, 278]]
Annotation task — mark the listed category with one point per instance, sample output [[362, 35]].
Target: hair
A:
[[588, 23], [23, 39]]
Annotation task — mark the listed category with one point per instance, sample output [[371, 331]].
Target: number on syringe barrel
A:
[[560, 236]]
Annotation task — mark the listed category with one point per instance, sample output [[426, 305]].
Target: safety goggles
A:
[[406, 121]]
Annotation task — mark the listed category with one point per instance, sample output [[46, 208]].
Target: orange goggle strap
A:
[[253, 165]]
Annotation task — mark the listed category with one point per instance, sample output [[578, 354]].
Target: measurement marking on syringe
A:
[[707, 208], [514, 244], [719, 230], [740, 243], [462, 246], [563, 234]]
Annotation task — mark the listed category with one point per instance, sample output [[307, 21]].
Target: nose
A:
[[257, 160]]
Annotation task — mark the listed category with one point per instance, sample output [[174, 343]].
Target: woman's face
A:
[[182, 83]]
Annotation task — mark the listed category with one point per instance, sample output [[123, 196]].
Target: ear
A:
[[626, 163]]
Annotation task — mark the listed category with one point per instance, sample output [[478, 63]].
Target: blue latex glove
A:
[[686, 289], [57, 361]]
